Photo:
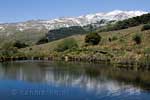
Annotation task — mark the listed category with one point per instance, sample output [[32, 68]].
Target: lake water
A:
[[43, 80]]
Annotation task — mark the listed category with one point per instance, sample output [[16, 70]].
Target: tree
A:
[[131, 22], [92, 38]]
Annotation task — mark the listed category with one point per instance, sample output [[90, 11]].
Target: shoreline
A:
[[125, 65]]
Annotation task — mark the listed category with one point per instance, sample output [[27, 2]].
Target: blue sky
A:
[[21, 10]]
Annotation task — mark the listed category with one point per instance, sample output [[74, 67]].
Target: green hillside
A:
[[117, 46]]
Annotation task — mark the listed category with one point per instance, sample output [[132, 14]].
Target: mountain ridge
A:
[[39, 25]]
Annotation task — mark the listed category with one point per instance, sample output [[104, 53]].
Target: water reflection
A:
[[100, 81]]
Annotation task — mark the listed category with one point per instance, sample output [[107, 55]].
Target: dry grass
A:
[[123, 47]]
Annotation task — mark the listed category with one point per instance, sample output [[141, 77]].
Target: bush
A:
[[43, 40], [8, 52], [8, 49], [147, 50], [67, 44], [114, 38], [92, 38], [19, 45], [146, 27], [137, 38]]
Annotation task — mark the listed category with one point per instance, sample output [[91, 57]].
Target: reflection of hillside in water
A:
[[87, 76]]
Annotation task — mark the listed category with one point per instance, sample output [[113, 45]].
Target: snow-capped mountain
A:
[[38, 25], [91, 18]]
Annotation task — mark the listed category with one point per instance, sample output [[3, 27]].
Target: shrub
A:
[[146, 27], [147, 50], [122, 40], [114, 38], [67, 44], [8, 49], [42, 41], [92, 38], [8, 52], [137, 38], [19, 45]]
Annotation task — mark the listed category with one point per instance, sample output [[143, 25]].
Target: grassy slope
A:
[[122, 48], [46, 49], [28, 36]]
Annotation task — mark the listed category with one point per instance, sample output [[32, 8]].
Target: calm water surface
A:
[[29, 80]]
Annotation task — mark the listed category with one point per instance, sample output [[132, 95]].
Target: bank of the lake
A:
[[124, 64]]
